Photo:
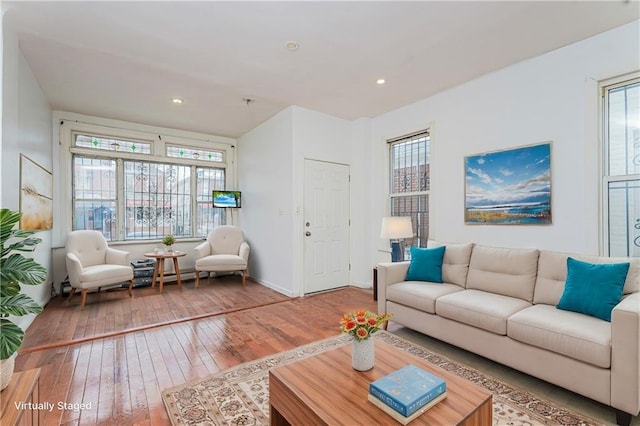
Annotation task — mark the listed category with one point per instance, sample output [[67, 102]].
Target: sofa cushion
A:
[[480, 309], [455, 263], [552, 274], [509, 272], [420, 295], [426, 264], [593, 289], [575, 335]]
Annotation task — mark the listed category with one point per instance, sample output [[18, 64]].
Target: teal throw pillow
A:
[[593, 288], [426, 264]]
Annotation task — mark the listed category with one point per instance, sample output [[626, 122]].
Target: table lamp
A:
[[396, 228]]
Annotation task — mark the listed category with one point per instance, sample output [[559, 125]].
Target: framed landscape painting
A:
[[36, 196], [510, 187]]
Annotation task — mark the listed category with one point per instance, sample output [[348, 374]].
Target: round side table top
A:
[[165, 254]]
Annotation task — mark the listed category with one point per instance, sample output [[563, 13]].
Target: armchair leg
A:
[[130, 288], [71, 293], [244, 278], [197, 278], [84, 298]]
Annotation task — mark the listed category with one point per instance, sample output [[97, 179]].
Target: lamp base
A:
[[397, 251]]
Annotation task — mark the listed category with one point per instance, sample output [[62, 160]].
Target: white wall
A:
[[321, 137], [266, 181], [26, 129], [271, 177], [549, 98]]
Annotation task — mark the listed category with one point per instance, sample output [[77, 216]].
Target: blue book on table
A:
[[408, 389]]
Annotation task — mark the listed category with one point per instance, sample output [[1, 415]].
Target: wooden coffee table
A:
[[158, 270], [325, 390]]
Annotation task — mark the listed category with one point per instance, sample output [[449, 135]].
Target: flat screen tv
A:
[[227, 199]]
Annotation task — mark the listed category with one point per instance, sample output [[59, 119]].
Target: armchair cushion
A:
[[221, 262], [103, 275]]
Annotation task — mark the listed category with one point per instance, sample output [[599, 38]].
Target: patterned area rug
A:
[[240, 395]]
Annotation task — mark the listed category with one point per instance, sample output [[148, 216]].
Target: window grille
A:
[[410, 183]]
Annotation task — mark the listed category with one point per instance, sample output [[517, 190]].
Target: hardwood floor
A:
[[119, 354]]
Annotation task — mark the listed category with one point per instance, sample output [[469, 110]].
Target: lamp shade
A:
[[396, 227]]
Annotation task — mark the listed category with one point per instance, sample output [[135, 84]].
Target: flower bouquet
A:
[[362, 324]]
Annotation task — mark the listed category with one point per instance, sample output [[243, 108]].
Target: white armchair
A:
[[91, 263], [224, 251]]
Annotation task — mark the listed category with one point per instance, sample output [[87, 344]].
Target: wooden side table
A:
[[21, 399], [158, 271]]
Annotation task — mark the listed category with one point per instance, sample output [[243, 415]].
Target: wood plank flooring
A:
[[115, 360]]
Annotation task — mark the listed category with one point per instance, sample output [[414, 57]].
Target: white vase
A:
[[362, 354], [170, 249], [6, 371]]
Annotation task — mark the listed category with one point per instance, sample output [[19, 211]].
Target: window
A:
[[196, 154], [621, 183], [95, 195], [122, 190], [109, 144], [410, 183]]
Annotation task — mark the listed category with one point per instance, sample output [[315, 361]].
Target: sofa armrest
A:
[[202, 250], [117, 257], [625, 355], [389, 273]]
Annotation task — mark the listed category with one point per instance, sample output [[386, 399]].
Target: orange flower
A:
[[349, 325], [362, 324], [362, 333]]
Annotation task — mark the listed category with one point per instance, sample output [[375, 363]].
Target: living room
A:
[[552, 97]]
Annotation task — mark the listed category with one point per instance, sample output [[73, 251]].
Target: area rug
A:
[[240, 395]]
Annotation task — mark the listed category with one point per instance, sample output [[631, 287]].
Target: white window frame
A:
[[390, 142], [606, 179]]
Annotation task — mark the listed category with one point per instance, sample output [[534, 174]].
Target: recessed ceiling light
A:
[[292, 46], [380, 81], [177, 101]]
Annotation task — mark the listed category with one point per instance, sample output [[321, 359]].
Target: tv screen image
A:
[[227, 199]]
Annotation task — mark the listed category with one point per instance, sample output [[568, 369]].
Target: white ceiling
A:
[[126, 60]]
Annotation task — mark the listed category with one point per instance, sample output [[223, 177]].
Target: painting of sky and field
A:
[[509, 187]]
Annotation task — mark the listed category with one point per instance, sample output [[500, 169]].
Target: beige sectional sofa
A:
[[501, 303]]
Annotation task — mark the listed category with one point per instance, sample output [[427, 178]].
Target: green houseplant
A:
[[168, 241], [15, 269]]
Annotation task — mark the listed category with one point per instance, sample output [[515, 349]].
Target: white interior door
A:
[[326, 226]]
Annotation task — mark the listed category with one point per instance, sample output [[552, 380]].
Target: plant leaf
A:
[[19, 305], [10, 338], [8, 218], [24, 270], [10, 288]]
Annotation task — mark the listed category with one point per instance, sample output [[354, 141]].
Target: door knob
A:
[[308, 234]]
